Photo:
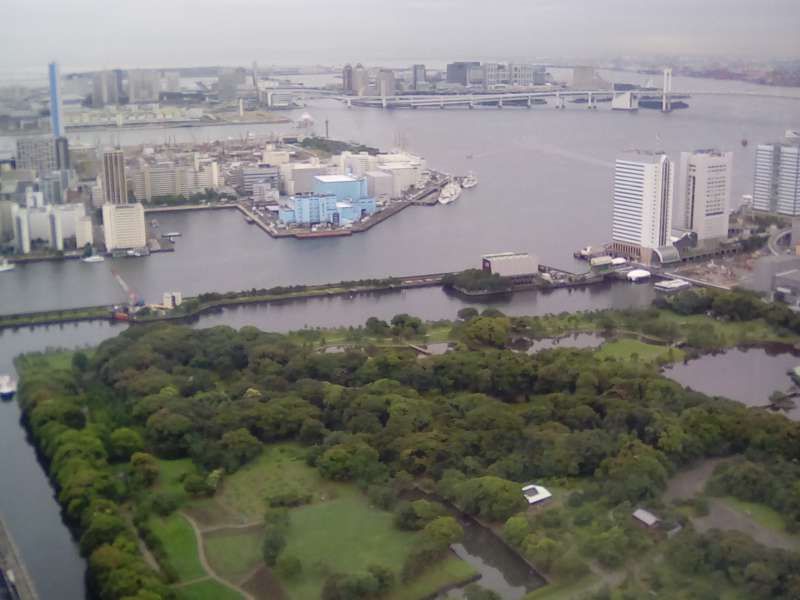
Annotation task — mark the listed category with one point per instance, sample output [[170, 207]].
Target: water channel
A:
[[545, 181]]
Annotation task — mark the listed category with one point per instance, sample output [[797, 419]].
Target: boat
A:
[[449, 193], [249, 220], [795, 375], [469, 182], [6, 266], [93, 258], [171, 234], [8, 386]]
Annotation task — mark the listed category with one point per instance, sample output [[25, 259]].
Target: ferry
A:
[[469, 182], [94, 258], [449, 193], [8, 386], [6, 266]]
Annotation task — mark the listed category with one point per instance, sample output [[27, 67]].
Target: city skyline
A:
[[573, 28]]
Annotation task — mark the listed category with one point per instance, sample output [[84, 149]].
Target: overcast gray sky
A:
[[109, 33]]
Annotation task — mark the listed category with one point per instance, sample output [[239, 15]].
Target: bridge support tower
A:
[[666, 101]]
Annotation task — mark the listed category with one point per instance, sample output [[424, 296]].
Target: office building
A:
[[168, 179], [115, 184], [44, 227], [314, 209], [84, 232], [56, 108], [347, 79], [263, 173], [776, 182], [7, 220], [459, 72], [61, 145], [418, 76], [525, 75], [360, 82], [493, 75], [22, 234], [144, 85], [172, 81], [105, 89], [704, 194], [643, 197], [380, 185], [298, 178], [123, 226], [385, 82], [264, 193], [54, 186], [38, 153]]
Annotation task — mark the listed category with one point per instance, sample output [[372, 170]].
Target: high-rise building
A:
[[22, 233], [62, 153], [37, 153], [360, 80], [704, 193], [56, 108], [115, 185], [144, 85], [123, 226], [105, 88], [643, 197], [418, 76], [776, 183], [385, 82], [347, 78], [459, 72]]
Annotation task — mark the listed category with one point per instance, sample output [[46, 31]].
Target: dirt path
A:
[[691, 482], [201, 554]]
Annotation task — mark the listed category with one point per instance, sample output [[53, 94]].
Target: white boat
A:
[[449, 193], [94, 258], [6, 266], [8, 386], [469, 182], [171, 234]]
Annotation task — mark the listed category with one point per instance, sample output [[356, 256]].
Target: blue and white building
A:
[[345, 187], [314, 209]]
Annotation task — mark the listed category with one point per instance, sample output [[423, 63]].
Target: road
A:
[[772, 242]]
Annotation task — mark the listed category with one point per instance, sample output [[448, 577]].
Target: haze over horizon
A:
[[89, 34]]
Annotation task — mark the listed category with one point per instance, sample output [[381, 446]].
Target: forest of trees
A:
[[473, 424]]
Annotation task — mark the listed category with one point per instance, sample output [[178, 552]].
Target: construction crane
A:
[[122, 313]]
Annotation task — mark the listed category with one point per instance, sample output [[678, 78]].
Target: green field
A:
[[447, 572], [564, 591], [180, 545], [342, 535], [207, 589], [233, 554], [761, 513], [625, 348], [170, 473]]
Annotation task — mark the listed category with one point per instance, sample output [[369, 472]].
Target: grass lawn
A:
[[207, 590], [565, 590], [344, 534], [761, 513], [180, 545], [233, 553], [170, 473], [625, 348], [450, 570], [280, 466]]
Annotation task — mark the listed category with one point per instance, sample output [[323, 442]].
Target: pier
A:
[[15, 583]]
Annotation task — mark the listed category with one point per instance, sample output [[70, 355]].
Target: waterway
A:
[[545, 188], [748, 375], [545, 183]]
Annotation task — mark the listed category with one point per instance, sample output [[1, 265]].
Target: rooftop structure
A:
[[535, 494], [645, 517], [510, 264]]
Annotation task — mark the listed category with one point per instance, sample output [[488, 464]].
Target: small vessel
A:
[[469, 182], [93, 258], [249, 220], [6, 266], [450, 193], [8, 386], [171, 234], [795, 375]]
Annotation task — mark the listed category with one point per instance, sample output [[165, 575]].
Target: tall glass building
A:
[[776, 182], [56, 109]]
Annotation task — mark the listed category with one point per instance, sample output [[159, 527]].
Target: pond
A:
[[574, 340], [747, 375]]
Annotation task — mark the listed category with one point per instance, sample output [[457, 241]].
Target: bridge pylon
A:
[[666, 101]]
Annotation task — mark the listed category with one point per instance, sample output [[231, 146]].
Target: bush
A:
[[165, 503], [289, 498], [195, 485], [288, 566]]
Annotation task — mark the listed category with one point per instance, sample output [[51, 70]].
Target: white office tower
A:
[[84, 232], [705, 193], [643, 195], [22, 232], [44, 225], [776, 182], [123, 225]]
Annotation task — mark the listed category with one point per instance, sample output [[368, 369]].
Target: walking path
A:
[[201, 554]]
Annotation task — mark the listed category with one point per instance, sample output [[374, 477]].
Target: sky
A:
[[89, 34]]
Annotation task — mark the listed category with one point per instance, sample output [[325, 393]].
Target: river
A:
[[545, 182]]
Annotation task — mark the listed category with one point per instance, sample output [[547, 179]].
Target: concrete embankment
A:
[[15, 582]]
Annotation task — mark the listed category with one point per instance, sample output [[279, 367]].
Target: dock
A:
[[15, 582]]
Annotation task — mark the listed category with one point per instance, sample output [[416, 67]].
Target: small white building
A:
[[637, 275], [510, 264], [535, 494], [172, 299], [645, 517]]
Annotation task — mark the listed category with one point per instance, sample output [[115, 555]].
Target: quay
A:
[[15, 582]]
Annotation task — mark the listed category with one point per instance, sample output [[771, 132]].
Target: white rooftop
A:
[[645, 516], [536, 493], [636, 274], [509, 264], [334, 178]]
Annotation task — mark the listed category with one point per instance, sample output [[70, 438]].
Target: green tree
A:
[[144, 468], [124, 442]]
